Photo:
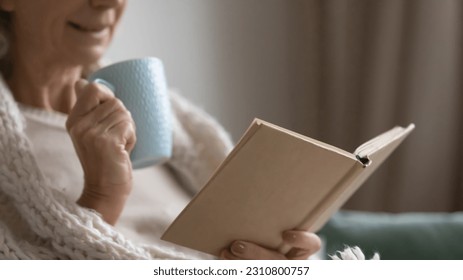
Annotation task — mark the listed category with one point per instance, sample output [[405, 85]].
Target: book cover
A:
[[272, 181]]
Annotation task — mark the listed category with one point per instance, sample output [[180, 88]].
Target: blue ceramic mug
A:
[[141, 85]]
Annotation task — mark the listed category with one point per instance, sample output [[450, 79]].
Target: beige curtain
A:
[[370, 65]]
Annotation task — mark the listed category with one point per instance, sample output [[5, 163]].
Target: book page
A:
[[382, 140]]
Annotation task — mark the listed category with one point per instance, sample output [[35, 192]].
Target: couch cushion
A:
[[397, 236]]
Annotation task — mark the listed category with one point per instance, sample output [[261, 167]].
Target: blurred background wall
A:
[[338, 71]]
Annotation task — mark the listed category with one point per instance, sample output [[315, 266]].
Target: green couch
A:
[[416, 236]]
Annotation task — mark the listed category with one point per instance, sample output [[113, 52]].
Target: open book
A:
[[275, 180]]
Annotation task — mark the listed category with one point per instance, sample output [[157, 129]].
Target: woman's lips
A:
[[94, 31]]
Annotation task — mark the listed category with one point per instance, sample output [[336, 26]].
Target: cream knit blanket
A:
[[37, 222]]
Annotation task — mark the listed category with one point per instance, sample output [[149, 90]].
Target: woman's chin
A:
[[86, 57]]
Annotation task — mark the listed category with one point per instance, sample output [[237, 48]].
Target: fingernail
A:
[[290, 237], [238, 248]]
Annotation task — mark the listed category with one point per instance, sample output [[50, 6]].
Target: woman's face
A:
[[74, 31]]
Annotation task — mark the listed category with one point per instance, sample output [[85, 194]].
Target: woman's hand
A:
[[303, 243], [103, 133]]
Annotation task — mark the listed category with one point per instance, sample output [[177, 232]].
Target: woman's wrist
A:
[[108, 200]]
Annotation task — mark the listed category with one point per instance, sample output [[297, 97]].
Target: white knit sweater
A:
[[38, 222]]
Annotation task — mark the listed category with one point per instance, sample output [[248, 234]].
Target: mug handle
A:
[[106, 84]]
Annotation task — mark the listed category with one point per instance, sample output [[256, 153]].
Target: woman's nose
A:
[[107, 3]]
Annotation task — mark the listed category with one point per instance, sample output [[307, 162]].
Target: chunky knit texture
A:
[[38, 222]]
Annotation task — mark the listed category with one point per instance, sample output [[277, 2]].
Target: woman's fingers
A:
[[250, 251], [89, 97], [119, 125], [304, 244], [102, 111], [298, 254], [98, 112], [302, 239], [227, 255]]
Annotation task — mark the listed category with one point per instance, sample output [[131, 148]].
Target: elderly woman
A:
[[67, 188]]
